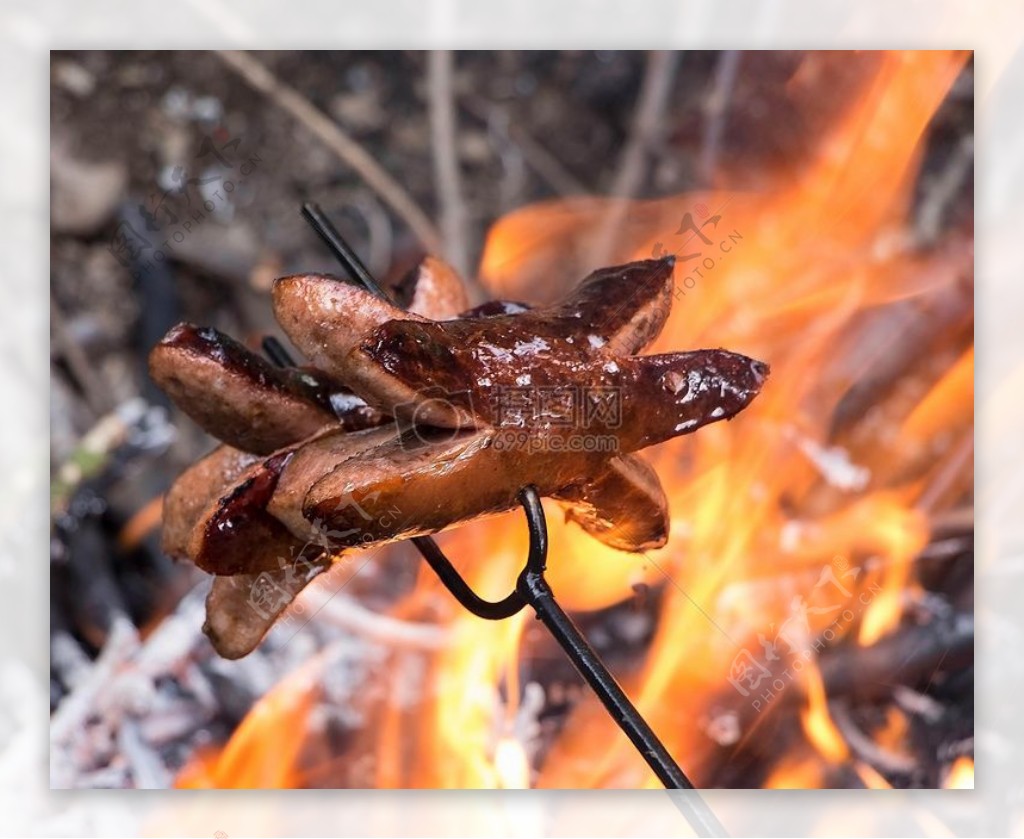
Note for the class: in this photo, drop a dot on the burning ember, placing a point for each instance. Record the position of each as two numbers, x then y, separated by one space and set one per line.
790 631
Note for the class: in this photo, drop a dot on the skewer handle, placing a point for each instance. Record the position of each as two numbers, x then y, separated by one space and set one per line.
533 588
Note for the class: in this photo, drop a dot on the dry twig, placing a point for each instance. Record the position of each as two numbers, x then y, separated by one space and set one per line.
543 162
122 643
715 110
446 164
346 612
941 190
646 129
394 195
97 392
647 121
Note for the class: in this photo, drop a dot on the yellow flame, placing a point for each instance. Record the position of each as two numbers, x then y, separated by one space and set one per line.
870 776
511 764
817 722
263 751
803 773
961 774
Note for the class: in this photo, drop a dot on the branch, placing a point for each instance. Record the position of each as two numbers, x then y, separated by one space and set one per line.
716 108
647 125
391 192
647 121
446 164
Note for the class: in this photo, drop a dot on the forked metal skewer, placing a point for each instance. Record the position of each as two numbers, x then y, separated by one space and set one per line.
532 589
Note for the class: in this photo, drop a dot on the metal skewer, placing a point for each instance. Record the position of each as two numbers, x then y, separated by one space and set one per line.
532 589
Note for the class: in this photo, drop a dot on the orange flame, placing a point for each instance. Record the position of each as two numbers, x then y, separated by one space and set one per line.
263 750
871 777
791 773
817 722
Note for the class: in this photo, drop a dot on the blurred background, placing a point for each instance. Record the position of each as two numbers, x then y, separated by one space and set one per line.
176 181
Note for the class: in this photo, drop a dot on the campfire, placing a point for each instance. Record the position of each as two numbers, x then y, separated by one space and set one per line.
808 621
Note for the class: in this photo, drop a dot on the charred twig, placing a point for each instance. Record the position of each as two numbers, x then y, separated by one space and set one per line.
891 346
795 571
895 668
880 758
259 77
446 162
954 521
94 600
917 703
909 657
97 393
943 188
647 121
